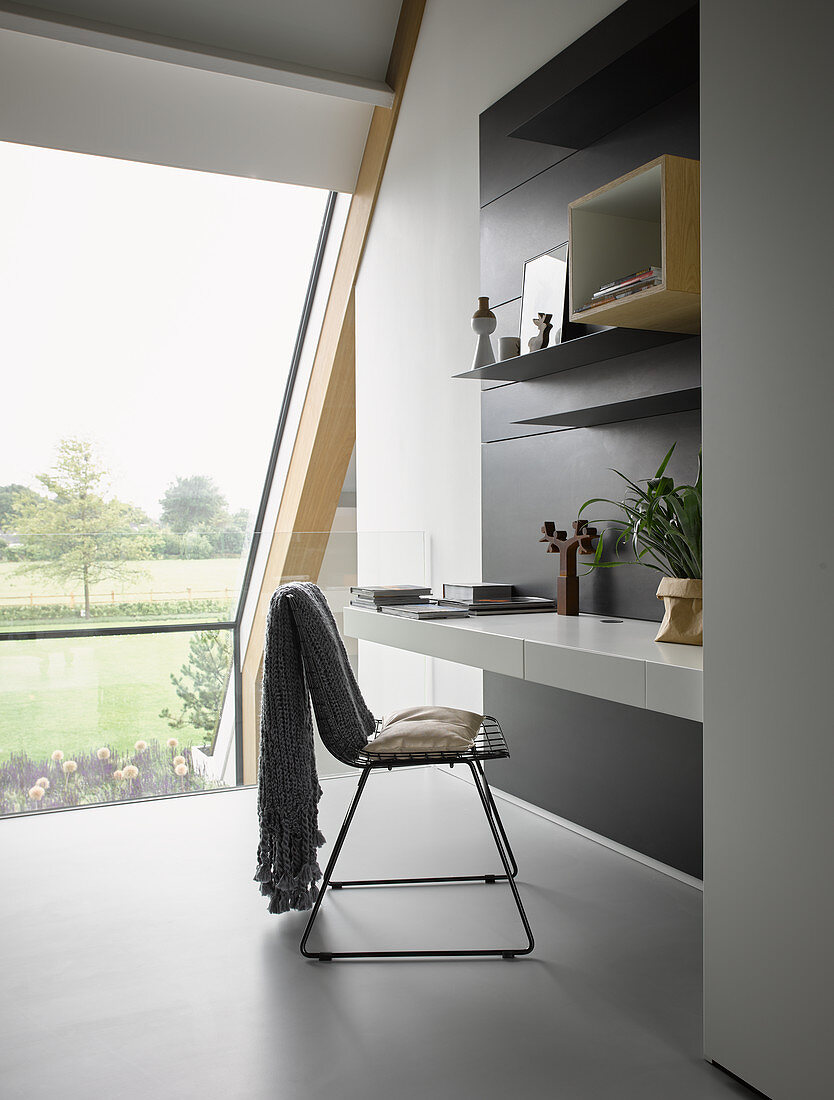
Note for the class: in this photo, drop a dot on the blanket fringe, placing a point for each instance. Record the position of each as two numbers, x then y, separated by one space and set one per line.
289 891
281 900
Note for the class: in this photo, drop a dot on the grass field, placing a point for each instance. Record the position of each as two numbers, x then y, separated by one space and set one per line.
83 693
169 579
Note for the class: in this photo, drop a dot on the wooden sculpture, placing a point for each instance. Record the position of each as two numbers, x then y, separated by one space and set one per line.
542 323
581 542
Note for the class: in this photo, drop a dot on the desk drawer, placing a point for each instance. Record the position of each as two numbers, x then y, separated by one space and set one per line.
620 679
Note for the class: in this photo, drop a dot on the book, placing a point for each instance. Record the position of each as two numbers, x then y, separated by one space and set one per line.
646 272
476 614
402 592
617 295
468 593
517 605
625 291
381 601
633 289
629 284
513 603
424 610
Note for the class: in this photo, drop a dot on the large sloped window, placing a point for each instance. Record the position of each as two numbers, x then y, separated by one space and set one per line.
149 325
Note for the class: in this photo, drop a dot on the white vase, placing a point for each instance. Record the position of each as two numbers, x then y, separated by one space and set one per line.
483 325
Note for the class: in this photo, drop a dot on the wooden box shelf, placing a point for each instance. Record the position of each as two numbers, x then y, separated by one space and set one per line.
649 217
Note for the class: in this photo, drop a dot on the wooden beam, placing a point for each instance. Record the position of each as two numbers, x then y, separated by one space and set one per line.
327 428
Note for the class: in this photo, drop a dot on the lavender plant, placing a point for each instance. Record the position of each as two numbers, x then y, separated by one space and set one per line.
100 775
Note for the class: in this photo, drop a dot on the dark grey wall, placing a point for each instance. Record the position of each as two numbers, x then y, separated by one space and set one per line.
619 771
542 477
630 775
531 474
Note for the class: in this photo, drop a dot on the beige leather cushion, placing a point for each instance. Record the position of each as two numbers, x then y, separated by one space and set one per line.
426 729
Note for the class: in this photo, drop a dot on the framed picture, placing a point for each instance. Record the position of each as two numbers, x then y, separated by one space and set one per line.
544 291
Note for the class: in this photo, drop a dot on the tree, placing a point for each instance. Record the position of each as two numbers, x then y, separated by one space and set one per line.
75 533
12 498
197 544
228 535
203 682
189 501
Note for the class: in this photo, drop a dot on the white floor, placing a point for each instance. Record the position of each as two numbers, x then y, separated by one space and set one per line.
139 961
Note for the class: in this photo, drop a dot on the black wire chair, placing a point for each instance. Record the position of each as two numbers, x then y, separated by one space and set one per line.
488 745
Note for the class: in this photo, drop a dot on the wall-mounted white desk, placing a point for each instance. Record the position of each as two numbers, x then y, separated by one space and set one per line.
617 660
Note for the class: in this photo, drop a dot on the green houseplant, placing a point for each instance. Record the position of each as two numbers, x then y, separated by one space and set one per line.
662 522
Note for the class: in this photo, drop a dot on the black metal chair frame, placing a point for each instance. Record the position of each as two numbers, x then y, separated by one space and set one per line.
488 745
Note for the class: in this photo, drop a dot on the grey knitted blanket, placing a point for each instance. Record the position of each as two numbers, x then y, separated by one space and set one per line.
304 659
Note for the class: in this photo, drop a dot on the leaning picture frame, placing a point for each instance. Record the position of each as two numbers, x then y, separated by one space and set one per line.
544 295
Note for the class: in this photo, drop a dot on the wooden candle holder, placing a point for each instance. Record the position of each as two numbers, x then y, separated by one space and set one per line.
581 542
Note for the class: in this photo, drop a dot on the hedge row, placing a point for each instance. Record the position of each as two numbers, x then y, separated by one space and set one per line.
198 609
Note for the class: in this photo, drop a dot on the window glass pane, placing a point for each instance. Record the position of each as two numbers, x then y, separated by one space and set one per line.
109 705
149 319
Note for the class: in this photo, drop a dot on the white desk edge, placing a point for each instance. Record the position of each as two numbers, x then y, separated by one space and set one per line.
617 660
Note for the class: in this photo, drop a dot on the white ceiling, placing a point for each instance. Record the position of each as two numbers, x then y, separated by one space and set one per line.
345 36
136 105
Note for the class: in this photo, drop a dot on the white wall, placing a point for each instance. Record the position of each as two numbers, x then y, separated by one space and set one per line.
418 430
769 568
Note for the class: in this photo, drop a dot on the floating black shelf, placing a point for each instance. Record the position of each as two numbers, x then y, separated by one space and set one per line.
655 404
596 347
663 63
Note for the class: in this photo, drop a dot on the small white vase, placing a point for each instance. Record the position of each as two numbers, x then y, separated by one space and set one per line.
509 347
483 325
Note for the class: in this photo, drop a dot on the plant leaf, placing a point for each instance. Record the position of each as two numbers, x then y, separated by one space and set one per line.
662 522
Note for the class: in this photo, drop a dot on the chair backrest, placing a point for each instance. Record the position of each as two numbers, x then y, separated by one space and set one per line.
344 721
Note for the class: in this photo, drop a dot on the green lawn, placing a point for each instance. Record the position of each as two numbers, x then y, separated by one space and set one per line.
169 579
82 693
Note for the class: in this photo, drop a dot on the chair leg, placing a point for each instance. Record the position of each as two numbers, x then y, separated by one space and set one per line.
497 818
331 863
504 851
498 831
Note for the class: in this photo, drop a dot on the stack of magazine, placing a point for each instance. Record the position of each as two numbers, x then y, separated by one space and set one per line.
623 287
492 599
378 596
405 600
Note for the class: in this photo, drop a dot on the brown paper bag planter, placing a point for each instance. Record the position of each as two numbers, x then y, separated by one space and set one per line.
683 619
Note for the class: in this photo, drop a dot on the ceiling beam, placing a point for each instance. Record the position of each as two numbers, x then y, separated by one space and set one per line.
173 51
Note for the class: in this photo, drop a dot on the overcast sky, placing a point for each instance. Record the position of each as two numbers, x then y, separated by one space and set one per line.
151 310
